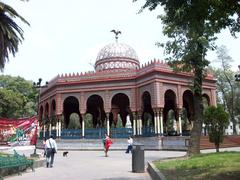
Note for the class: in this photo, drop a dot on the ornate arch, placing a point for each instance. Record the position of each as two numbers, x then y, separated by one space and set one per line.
147 110
147 88
120 104
126 92
89 94
170 102
40 116
173 88
207 98
70 105
95 106
46 110
207 94
53 107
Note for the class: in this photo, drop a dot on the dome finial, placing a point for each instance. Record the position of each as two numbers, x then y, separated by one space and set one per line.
116 32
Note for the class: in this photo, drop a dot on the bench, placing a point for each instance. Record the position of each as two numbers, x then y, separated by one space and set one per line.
4 143
10 164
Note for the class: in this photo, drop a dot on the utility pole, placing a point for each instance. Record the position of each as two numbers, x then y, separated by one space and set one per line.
38 86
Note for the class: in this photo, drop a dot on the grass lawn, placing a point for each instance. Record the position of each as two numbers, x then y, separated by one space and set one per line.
219 166
3 154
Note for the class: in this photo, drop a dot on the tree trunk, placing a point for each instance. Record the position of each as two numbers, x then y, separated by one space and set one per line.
231 106
196 132
217 147
234 124
194 147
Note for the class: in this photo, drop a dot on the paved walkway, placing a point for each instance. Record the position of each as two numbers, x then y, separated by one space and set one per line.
92 165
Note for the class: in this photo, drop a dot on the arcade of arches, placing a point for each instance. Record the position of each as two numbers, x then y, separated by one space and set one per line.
122 94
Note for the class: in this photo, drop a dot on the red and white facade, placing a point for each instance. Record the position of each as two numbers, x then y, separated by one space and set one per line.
120 86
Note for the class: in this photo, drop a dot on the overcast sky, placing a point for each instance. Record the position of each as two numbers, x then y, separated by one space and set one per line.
65 36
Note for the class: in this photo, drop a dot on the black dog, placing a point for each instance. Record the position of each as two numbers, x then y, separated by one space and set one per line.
65 153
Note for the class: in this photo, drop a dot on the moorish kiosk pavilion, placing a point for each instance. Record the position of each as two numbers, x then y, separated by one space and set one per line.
120 98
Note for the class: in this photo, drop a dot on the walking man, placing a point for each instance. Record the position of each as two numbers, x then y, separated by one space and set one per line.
51 149
130 144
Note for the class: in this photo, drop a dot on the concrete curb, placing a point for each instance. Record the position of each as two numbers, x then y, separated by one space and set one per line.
154 172
39 163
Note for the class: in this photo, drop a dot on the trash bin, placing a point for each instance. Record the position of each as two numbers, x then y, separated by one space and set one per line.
138 164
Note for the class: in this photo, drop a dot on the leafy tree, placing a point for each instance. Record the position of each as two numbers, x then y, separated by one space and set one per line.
74 121
10 33
88 120
18 88
216 121
237 101
192 27
185 121
10 103
170 121
147 119
19 84
226 85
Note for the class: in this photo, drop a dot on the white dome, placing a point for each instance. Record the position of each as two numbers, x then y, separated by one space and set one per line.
116 56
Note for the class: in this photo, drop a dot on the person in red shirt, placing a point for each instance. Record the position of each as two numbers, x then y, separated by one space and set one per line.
107 143
44 147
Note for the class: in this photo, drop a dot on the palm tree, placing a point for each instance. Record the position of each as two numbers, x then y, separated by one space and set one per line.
10 33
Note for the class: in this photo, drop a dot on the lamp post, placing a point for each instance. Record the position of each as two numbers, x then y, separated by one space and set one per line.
237 76
38 86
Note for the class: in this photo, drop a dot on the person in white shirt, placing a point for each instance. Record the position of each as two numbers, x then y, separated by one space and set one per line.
130 144
51 149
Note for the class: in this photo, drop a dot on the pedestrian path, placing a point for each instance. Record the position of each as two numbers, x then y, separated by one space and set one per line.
92 165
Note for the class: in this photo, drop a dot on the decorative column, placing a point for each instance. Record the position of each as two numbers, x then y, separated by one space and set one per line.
158 122
180 121
83 125
108 125
161 121
155 121
57 130
139 123
44 130
50 127
38 129
134 123
60 126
